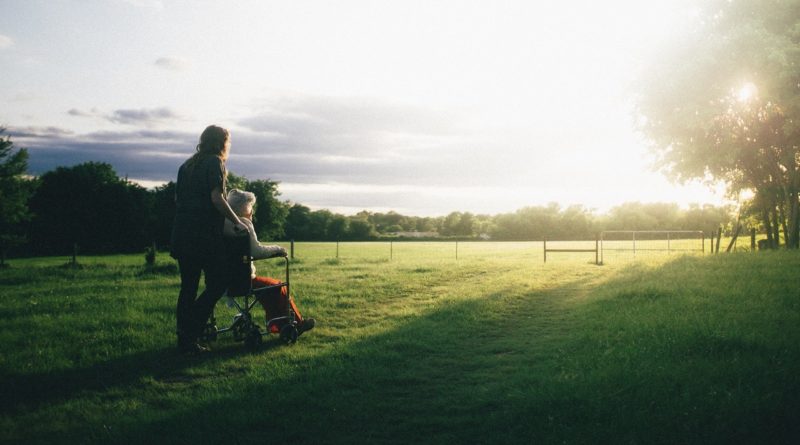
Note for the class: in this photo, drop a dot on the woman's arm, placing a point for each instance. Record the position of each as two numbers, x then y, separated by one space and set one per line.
261 251
221 204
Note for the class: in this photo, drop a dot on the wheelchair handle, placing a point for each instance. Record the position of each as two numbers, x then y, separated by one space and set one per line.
286 260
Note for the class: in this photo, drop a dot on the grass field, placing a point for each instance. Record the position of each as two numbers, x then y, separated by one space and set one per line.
415 347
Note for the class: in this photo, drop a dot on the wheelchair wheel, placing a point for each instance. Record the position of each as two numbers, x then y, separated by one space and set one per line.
253 339
289 334
240 327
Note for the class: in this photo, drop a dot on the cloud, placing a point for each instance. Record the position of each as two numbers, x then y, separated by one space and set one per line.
141 136
6 41
26 96
147 4
38 133
348 115
173 63
142 154
347 127
142 116
80 113
318 139
311 139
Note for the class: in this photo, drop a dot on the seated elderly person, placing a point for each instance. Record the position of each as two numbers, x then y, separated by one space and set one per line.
276 302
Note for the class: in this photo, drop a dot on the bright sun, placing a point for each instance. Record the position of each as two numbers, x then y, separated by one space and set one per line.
747 92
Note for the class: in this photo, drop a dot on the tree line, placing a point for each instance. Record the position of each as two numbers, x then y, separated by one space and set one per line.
89 206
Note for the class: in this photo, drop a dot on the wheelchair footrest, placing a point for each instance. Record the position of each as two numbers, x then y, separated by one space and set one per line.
274 325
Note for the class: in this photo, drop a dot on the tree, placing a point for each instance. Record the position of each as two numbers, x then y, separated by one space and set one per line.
450 224
577 223
465 225
527 223
337 227
359 228
234 181
14 193
162 214
424 224
707 218
638 216
318 224
724 104
298 220
88 205
270 213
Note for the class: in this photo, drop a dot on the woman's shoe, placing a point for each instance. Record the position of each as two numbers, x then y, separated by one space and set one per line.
192 348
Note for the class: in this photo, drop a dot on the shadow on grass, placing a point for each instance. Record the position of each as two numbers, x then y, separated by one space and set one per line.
477 372
26 392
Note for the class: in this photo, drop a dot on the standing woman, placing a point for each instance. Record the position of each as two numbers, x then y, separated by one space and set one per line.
197 244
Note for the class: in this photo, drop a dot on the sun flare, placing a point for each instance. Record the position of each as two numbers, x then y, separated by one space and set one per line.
747 92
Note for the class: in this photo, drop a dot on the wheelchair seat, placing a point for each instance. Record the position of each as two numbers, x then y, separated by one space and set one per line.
238 259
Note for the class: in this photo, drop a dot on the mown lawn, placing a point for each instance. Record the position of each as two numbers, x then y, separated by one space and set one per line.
418 348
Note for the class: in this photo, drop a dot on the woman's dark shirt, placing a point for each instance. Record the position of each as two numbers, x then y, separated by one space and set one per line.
197 230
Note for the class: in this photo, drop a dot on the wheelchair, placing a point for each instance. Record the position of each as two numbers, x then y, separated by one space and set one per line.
243 298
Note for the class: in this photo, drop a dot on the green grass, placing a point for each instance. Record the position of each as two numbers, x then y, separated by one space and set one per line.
495 347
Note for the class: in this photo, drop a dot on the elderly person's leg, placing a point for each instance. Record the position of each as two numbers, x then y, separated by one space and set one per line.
276 302
273 300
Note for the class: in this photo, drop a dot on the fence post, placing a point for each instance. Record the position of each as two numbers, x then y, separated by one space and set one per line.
150 255
753 240
596 251
719 238
391 250
669 250
337 249
456 250
545 250
602 237
291 249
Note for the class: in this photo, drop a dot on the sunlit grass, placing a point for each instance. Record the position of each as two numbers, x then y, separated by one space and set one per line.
494 347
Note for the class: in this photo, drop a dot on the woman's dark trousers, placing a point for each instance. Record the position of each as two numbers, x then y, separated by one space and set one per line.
193 311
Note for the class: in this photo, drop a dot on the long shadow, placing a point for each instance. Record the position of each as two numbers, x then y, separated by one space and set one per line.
29 391
26 392
462 374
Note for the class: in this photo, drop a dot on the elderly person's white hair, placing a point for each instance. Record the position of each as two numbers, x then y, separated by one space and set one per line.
241 201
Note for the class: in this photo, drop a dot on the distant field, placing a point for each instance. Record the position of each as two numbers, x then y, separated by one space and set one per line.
415 346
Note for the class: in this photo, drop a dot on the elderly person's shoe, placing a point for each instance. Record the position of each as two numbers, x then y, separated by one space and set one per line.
307 325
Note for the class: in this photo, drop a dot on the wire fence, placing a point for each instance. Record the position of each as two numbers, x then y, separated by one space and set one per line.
619 244
402 250
614 248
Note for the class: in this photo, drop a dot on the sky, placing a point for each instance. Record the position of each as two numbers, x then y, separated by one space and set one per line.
421 107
